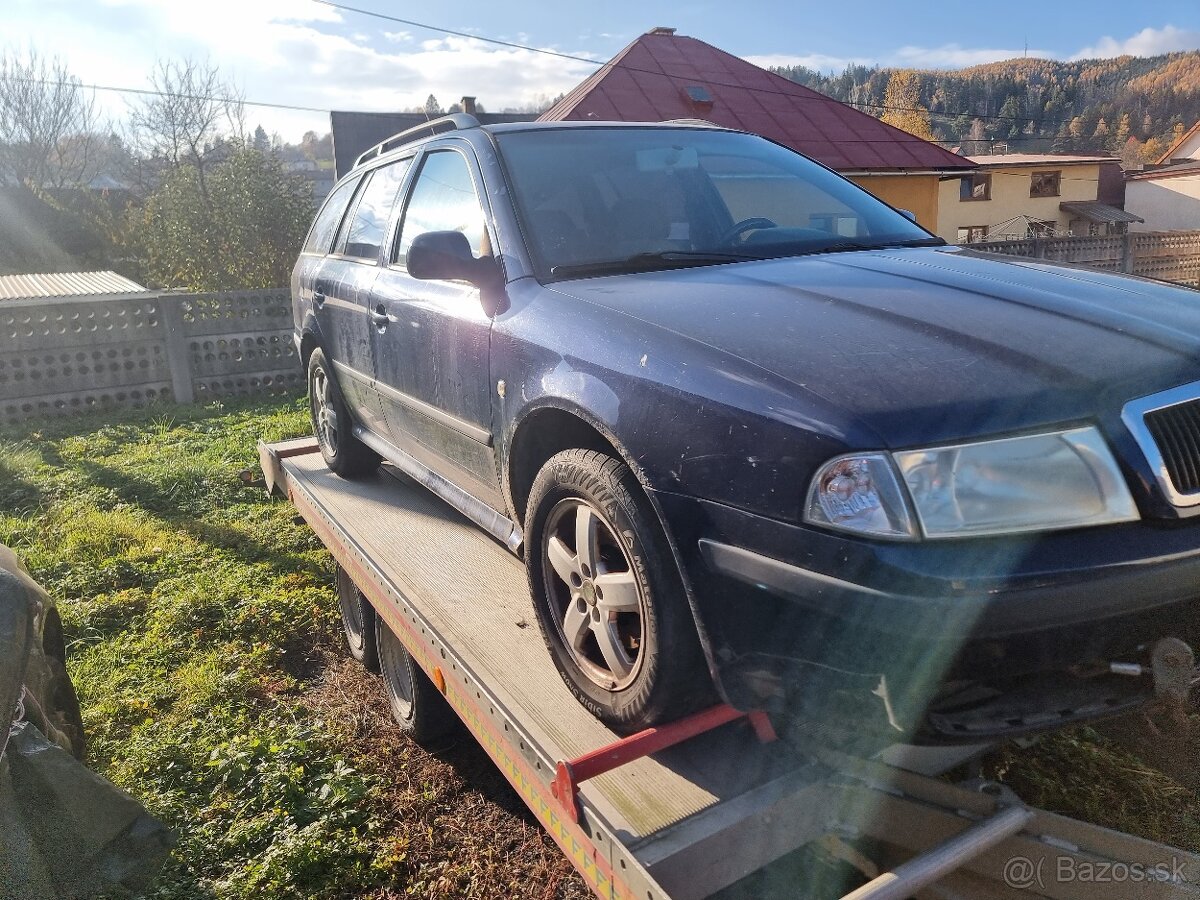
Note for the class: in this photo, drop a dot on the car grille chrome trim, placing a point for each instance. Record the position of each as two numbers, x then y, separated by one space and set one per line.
1167 428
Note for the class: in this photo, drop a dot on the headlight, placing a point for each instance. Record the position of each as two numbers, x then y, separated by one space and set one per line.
859 492
1039 482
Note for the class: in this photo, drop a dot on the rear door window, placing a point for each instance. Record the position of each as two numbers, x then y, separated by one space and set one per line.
320 236
364 232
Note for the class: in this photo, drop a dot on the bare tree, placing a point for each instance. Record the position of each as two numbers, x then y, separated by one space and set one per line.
190 110
47 122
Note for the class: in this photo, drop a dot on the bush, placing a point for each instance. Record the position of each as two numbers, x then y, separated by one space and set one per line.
238 224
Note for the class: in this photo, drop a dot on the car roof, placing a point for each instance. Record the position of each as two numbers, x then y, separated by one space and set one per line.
505 127
499 128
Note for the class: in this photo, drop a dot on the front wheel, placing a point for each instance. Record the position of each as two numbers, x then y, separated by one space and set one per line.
608 595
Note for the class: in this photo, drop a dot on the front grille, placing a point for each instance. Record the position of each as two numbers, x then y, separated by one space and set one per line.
1176 431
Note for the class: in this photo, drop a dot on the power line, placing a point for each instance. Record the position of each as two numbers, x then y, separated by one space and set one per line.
154 93
297 108
148 92
567 56
593 62
451 31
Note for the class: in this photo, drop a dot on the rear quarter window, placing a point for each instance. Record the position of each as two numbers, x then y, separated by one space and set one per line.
320 236
365 232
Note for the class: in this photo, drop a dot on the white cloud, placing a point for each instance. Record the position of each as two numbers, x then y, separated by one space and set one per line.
947 56
1147 42
817 61
955 56
289 52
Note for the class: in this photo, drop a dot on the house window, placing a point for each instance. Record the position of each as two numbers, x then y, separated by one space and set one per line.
1044 184
975 187
970 234
835 223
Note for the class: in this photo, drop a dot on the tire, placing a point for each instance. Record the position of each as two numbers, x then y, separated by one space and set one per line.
345 454
65 712
633 657
358 622
418 708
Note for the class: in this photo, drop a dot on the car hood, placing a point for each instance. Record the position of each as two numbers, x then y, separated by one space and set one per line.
929 344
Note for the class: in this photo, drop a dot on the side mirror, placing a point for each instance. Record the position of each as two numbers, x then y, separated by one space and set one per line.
442 255
446 256
908 214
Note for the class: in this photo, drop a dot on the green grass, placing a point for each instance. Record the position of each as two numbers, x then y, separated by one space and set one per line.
204 644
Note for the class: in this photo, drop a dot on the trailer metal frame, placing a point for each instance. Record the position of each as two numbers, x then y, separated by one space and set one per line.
664 815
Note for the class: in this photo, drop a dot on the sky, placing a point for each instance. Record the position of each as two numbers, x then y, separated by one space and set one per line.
304 53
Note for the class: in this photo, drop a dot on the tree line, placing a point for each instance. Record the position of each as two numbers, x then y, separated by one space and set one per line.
180 194
1132 107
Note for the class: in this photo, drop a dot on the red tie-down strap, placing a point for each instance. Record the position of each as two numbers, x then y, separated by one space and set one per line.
570 773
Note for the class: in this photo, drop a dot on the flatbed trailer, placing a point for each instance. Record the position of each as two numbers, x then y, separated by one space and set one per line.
720 801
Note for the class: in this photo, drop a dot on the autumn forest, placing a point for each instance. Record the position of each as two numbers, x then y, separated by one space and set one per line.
1129 106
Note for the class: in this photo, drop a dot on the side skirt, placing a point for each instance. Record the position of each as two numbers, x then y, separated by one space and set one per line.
497 525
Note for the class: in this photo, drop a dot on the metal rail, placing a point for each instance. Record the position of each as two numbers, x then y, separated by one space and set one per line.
905 880
452 122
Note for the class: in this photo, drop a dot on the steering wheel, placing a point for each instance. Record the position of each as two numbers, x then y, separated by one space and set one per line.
754 223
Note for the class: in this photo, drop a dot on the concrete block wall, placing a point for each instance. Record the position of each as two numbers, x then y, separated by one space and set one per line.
59 356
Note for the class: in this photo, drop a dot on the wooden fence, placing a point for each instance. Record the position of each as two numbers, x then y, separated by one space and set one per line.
60 356
1165 255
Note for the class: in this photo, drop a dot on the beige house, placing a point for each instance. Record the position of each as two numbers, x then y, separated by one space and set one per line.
1013 196
1167 196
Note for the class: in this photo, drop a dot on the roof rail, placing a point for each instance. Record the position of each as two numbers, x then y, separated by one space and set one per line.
694 121
452 122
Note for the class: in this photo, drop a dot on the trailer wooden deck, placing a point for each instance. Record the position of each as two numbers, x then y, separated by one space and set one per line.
691 820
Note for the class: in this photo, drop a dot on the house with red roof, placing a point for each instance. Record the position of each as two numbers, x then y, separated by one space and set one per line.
663 75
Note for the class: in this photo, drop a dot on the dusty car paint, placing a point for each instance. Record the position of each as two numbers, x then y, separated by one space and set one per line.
725 387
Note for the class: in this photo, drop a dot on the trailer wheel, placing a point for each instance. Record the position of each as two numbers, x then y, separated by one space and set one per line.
608 596
358 621
345 454
418 708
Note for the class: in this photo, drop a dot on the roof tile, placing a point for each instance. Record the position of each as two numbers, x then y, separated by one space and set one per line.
660 66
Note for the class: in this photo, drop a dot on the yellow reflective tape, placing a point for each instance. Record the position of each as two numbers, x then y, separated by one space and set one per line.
564 833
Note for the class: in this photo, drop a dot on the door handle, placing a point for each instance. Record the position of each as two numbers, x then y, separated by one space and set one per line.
318 298
381 318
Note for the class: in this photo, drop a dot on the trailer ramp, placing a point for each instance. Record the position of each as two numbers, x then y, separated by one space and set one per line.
690 820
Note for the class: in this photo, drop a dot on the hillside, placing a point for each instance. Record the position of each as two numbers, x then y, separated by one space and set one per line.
1092 105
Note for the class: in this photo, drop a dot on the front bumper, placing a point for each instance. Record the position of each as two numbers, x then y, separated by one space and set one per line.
800 614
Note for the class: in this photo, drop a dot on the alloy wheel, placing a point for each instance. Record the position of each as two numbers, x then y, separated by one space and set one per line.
325 418
598 605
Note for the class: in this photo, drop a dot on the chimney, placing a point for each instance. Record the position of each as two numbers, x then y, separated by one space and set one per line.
468 105
662 29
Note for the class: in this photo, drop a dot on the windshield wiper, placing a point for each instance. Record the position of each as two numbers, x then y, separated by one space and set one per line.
650 261
843 246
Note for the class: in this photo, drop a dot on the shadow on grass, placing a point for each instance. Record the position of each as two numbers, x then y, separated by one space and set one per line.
18 495
158 501
56 428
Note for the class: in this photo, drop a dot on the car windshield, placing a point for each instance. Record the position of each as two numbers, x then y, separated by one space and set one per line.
599 200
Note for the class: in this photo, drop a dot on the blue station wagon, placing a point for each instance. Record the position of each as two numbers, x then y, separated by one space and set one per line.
758 435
